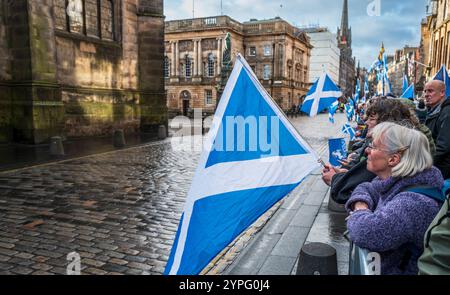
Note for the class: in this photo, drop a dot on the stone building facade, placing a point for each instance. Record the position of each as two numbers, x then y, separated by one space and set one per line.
277 52
403 63
80 68
436 36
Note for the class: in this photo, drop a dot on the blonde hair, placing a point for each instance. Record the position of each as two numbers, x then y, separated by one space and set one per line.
413 145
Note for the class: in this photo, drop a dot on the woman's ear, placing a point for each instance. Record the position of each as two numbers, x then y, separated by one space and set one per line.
394 160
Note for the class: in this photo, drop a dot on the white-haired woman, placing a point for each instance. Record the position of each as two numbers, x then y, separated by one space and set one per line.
386 216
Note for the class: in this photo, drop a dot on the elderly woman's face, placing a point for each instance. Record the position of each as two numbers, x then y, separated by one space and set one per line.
378 159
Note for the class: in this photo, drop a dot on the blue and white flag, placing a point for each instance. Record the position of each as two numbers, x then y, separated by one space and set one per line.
357 91
404 84
320 96
409 92
386 83
252 158
442 75
333 108
349 111
347 129
366 87
338 150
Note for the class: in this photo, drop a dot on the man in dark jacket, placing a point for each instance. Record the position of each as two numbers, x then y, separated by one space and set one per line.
438 121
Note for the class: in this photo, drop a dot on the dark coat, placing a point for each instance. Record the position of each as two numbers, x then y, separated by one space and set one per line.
439 124
343 184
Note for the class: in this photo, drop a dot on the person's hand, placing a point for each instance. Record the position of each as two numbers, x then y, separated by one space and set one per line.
360 206
329 171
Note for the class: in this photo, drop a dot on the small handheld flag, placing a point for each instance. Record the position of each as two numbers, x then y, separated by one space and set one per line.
347 129
338 150
333 108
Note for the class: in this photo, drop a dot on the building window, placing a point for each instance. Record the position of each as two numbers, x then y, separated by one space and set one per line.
253 69
252 51
208 97
267 50
107 19
211 65
166 67
187 67
266 72
93 18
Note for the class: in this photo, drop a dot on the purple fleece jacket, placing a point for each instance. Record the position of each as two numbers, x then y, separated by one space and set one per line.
396 221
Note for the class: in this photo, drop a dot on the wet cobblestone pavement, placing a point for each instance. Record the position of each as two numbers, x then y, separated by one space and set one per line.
118 210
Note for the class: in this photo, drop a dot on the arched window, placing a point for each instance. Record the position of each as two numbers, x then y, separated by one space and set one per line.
93 18
211 65
187 66
166 67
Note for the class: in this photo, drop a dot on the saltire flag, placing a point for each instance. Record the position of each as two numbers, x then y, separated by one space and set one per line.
366 87
442 75
409 92
387 84
347 129
405 84
338 150
237 179
333 108
320 96
349 111
357 91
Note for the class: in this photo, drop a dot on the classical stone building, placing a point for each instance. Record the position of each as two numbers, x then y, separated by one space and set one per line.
436 36
277 52
347 62
78 68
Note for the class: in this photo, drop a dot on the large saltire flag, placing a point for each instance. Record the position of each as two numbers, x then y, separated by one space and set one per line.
442 75
238 178
320 96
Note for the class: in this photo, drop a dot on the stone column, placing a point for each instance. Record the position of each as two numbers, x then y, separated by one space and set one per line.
177 60
195 57
199 58
172 60
219 56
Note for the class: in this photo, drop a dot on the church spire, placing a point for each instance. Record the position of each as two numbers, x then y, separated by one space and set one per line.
344 21
344 32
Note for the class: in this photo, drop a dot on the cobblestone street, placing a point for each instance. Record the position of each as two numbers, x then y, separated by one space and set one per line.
118 210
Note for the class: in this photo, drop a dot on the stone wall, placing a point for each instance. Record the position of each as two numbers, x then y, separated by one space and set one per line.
5 75
77 81
153 104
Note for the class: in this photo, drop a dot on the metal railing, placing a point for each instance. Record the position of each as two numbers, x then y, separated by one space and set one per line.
362 261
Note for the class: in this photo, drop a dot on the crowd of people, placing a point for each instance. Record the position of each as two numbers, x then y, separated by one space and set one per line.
394 182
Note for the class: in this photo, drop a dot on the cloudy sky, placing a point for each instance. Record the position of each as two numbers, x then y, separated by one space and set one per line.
397 24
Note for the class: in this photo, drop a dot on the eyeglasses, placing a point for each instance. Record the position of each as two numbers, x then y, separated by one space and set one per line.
400 150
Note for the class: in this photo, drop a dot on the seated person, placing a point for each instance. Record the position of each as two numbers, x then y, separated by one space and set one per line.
384 216
353 172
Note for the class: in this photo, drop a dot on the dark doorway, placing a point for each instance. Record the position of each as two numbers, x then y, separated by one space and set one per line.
185 98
